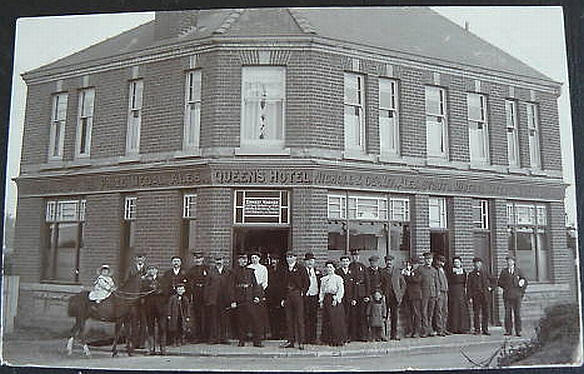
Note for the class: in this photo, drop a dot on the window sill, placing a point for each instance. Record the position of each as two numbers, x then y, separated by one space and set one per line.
261 151
358 155
193 152
129 159
53 164
392 158
538 172
442 162
487 167
514 170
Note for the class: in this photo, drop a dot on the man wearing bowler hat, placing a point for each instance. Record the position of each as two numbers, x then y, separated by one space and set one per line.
311 298
174 276
361 296
197 275
393 285
217 301
295 284
513 283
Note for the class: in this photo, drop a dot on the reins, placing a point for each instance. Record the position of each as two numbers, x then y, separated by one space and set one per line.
128 295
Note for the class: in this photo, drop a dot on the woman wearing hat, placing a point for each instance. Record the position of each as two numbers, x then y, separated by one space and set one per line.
458 316
103 286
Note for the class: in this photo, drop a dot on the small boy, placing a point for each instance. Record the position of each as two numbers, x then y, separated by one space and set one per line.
178 316
376 316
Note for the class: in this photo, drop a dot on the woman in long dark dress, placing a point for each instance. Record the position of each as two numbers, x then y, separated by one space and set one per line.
458 316
332 291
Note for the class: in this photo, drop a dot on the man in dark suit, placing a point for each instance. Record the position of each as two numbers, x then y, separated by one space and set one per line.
245 294
429 287
479 292
513 283
361 296
295 283
216 296
393 285
197 275
348 299
413 297
134 276
174 276
441 307
311 298
274 295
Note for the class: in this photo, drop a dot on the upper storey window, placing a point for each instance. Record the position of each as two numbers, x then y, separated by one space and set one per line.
512 134
436 122
388 116
263 96
134 116
354 112
533 128
478 133
84 122
192 126
57 130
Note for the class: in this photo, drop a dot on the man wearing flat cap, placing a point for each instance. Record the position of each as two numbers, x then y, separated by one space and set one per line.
245 295
429 287
413 297
359 329
295 284
441 307
393 285
311 298
197 276
513 283
479 287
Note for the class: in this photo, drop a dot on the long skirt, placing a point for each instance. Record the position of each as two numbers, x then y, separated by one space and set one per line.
334 331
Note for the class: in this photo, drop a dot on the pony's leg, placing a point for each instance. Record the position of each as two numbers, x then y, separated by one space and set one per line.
116 337
70 346
83 340
74 331
129 339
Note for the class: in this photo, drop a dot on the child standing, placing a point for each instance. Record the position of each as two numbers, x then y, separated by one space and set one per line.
376 316
103 286
178 315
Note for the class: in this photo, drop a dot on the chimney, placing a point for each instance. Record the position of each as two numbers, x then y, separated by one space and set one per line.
170 24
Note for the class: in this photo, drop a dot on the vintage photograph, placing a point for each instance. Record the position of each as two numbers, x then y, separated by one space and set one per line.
292 189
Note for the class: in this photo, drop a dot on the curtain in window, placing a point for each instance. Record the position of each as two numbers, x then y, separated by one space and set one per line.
435 138
387 130
263 106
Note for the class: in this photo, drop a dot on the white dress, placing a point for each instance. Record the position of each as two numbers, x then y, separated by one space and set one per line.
102 287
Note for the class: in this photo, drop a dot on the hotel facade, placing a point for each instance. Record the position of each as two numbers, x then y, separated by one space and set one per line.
388 130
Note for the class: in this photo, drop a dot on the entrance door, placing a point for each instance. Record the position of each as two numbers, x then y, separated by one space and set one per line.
269 242
439 244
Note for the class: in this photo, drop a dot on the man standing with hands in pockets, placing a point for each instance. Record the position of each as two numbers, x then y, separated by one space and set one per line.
513 283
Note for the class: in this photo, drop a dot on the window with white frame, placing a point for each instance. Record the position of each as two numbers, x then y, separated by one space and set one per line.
478 133
192 126
480 214
437 212
64 233
354 102
337 207
512 133
84 122
134 116
533 129
130 208
367 208
400 209
263 106
189 206
436 122
57 129
527 237
388 116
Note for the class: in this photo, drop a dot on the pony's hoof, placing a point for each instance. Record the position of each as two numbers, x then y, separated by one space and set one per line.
114 354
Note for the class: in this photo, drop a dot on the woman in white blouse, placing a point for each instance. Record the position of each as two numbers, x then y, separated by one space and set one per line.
333 316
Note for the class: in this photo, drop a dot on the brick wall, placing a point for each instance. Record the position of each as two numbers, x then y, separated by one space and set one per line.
496 95
551 158
462 229
103 215
562 260
37 117
308 218
215 219
28 245
413 109
500 249
158 223
457 117
420 225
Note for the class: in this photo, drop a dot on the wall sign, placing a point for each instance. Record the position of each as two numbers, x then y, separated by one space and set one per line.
261 207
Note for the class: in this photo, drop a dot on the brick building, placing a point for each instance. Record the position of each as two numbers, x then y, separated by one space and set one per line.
267 129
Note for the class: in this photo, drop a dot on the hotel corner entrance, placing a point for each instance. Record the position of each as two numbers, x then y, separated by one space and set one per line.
261 223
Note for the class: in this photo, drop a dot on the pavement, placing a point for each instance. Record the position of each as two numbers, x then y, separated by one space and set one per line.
428 353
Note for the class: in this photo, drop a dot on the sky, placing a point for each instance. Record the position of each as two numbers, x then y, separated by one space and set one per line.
535 35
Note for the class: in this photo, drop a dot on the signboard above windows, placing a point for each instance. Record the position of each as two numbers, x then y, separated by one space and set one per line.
267 207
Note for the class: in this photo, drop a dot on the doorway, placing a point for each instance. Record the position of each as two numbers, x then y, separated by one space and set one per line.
271 243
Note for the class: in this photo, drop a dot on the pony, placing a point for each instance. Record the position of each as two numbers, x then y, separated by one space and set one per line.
116 308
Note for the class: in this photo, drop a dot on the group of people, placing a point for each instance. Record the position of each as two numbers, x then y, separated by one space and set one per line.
209 302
